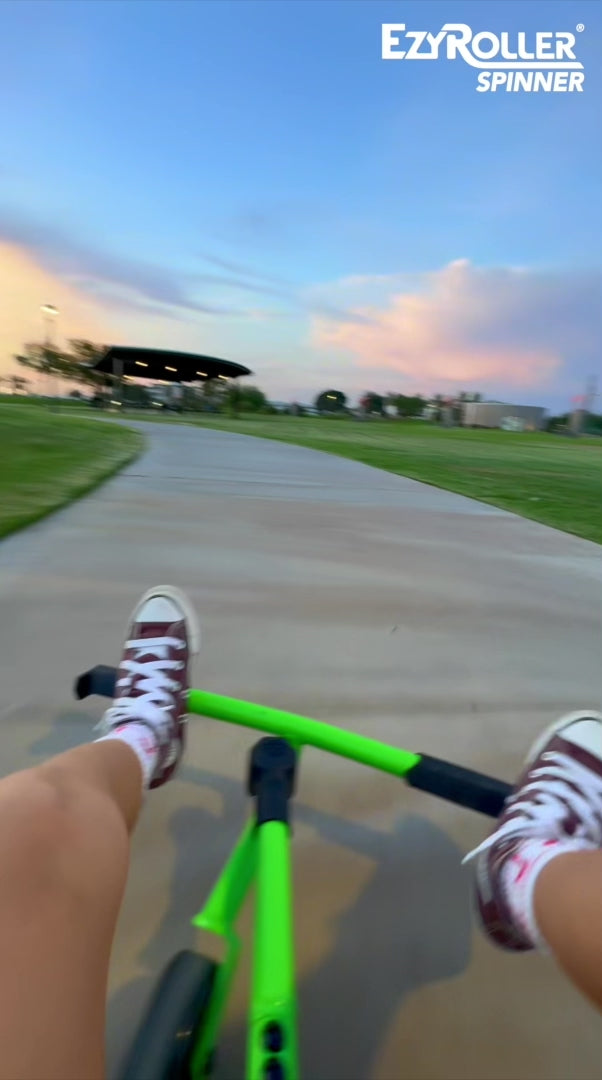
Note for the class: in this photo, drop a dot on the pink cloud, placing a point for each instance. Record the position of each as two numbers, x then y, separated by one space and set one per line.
24 286
26 283
464 325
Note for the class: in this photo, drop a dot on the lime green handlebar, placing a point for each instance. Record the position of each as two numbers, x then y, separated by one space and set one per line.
302 731
474 790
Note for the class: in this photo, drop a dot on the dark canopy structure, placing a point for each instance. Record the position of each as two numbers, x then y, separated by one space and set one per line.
166 366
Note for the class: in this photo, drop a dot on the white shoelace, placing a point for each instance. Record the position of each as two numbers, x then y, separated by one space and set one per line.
156 690
560 786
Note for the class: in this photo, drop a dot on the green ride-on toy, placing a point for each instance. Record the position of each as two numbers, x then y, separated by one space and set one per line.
178 1036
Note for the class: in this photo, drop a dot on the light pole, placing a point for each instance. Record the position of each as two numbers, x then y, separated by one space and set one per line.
49 314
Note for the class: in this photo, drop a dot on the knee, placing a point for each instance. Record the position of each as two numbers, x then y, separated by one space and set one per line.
36 815
48 829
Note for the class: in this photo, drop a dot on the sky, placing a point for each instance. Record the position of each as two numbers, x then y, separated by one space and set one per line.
251 180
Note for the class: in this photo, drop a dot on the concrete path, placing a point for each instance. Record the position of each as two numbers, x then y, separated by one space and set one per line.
367 600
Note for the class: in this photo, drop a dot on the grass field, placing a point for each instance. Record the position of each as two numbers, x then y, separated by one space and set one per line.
551 479
49 459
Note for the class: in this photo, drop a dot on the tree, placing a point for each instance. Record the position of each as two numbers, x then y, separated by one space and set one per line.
73 364
409 406
192 400
244 399
135 395
233 400
82 356
372 404
593 424
41 358
557 423
18 383
252 399
331 401
213 395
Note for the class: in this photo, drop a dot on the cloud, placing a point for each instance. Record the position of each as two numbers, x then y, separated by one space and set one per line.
104 274
299 298
120 299
117 281
500 330
470 327
116 314
242 269
276 221
241 284
24 286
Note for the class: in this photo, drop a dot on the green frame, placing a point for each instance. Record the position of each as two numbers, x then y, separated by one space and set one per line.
262 856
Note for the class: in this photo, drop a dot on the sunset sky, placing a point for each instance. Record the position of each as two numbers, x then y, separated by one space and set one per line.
253 181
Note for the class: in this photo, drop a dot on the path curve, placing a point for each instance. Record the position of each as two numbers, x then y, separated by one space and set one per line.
369 600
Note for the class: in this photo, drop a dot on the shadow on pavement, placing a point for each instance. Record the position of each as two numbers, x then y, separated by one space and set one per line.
409 926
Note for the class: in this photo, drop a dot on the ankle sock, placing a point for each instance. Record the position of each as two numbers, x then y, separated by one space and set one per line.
143 741
519 874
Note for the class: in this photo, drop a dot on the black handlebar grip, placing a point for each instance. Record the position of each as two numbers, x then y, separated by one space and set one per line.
100 680
474 790
465 787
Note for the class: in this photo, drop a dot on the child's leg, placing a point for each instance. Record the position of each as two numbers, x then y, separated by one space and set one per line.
64 847
64 843
568 911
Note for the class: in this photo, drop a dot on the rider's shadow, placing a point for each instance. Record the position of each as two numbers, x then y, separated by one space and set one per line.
409 926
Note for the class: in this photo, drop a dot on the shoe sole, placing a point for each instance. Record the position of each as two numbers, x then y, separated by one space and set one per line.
556 727
179 598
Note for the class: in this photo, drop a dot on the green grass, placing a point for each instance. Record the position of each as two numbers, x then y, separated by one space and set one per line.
549 478
36 402
48 459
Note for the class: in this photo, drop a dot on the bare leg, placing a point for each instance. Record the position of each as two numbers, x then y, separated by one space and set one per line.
64 851
568 910
64 847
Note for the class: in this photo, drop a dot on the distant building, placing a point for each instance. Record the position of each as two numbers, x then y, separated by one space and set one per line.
499 414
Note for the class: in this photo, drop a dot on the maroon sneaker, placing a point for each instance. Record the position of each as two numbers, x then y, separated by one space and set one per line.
152 679
558 799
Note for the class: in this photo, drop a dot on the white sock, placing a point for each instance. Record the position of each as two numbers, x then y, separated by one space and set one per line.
519 874
143 741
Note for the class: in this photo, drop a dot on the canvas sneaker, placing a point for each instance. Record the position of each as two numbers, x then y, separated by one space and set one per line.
558 799
153 676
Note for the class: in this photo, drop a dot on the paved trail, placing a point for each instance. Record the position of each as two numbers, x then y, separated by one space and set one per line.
361 598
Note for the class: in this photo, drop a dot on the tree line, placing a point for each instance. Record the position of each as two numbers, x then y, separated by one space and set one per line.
371 404
75 366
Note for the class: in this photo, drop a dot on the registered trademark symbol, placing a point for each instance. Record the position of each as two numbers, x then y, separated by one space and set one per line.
580 28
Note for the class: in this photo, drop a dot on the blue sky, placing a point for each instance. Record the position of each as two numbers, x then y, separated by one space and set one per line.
251 179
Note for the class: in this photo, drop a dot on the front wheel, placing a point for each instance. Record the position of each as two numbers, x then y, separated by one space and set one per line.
173 1020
